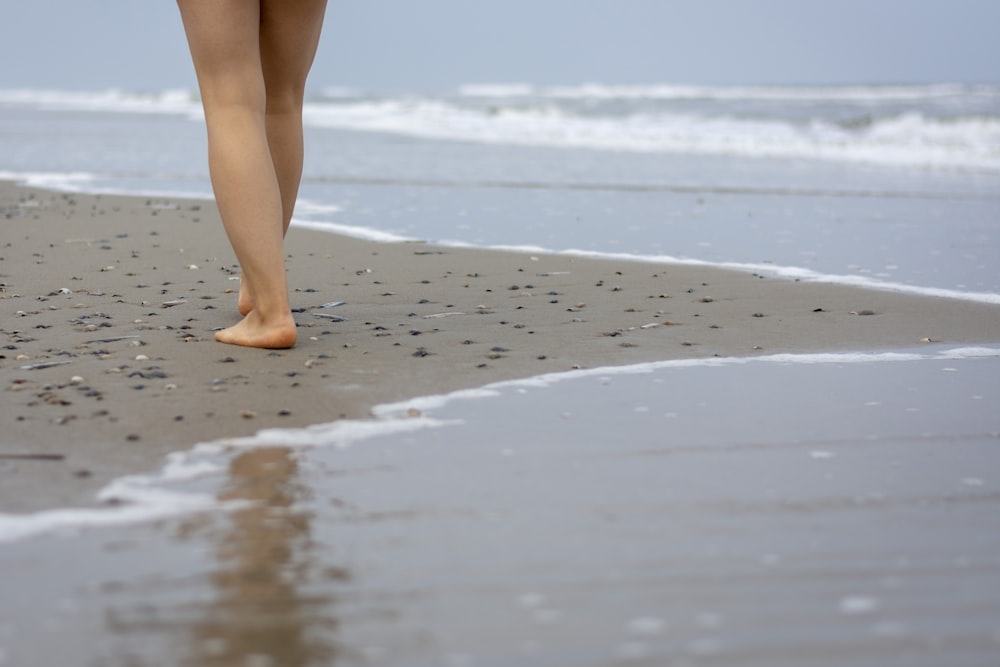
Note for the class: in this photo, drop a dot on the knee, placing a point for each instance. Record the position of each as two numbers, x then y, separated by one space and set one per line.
284 99
244 92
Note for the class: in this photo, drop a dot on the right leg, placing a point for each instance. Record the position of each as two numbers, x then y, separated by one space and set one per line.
289 36
224 37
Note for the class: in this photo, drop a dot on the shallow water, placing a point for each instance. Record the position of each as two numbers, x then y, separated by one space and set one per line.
802 510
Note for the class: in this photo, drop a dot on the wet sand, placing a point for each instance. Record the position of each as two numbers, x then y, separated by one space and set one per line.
108 306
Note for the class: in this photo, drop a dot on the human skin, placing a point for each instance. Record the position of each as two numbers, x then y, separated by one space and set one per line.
252 60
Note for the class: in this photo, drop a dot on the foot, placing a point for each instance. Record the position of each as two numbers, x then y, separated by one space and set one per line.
245 302
253 332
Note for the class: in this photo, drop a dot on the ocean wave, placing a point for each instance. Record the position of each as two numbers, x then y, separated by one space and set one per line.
182 102
909 139
867 93
891 126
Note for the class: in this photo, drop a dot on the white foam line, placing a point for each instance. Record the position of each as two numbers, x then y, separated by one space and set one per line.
76 182
353 231
159 505
143 498
776 270
425 404
83 183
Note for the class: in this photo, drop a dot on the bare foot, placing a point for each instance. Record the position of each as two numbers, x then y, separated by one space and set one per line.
245 302
252 332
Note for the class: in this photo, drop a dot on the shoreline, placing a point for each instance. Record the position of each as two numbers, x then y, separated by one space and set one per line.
108 304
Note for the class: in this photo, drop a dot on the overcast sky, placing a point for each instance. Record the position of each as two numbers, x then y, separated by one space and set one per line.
435 45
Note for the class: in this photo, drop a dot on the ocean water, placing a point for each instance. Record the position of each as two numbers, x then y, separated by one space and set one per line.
893 186
790 510
630 515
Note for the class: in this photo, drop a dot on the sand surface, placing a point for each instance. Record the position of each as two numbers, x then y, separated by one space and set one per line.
108 306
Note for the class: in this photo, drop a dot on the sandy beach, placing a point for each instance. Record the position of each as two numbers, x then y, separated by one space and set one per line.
109 303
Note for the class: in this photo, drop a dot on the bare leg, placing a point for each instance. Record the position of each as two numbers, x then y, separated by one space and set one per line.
289 36
228 40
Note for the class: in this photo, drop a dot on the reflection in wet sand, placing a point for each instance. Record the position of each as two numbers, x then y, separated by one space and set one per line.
262 614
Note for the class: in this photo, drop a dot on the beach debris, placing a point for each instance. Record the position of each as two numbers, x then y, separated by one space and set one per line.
141 357
421 352
32 457
758 315
151 373
328 316
113 339
173 302
333 304
651 325
929 340
76 379
53 398
248 414
439 315
45 364
191 267
862 312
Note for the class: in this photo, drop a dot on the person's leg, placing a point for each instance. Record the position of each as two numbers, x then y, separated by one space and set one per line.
289 36
224 37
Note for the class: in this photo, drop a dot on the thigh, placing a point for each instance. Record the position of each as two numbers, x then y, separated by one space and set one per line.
289 36
223 36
